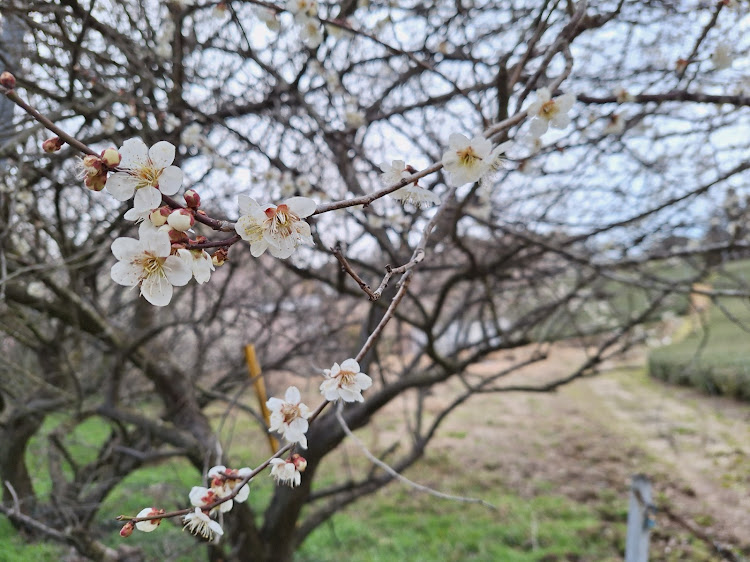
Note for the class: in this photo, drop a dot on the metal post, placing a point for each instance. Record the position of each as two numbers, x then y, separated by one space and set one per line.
639 520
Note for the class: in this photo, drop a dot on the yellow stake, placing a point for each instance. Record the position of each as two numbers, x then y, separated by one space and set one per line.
259 386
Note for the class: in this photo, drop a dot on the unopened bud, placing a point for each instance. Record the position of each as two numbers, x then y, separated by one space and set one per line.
299 462
111 158
52 145
92 165
181 219
192 199
127 529
95 182
175 236
158 217
219 257
7 80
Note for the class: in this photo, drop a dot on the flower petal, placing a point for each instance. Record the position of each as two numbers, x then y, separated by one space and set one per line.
126 273
177 271
162 154
301 206
134 153
350 365
170 180
121 186
146 198
157 290
125 248
292 395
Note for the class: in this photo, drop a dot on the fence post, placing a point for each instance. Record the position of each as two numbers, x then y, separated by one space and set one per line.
639 520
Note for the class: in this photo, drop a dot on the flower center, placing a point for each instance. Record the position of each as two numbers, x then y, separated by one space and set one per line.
549 109
346 378
290 412
147 176
152 265
281 220
467 156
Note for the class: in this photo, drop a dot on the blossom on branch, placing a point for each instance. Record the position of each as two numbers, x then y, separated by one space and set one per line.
288 471
199 262
467 161
145 172
547 112
223 482
278 229
203 497
151 524
289 416
147 263
345 382
199 523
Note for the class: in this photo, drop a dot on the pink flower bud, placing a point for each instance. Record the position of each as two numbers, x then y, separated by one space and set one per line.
181 219
158 217
7 80
92 165
52 145
175 236
95 182
192 199
299 462
127 529
111 158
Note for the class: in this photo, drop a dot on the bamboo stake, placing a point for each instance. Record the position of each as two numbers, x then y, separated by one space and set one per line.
259 386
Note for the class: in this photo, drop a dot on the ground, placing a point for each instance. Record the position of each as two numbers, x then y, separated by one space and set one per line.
588 439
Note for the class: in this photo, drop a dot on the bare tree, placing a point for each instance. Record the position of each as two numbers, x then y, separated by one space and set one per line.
585 233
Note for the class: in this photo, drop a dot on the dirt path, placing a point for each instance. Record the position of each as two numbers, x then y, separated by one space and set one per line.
588 439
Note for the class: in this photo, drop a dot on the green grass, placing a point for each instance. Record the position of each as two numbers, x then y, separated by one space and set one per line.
401 525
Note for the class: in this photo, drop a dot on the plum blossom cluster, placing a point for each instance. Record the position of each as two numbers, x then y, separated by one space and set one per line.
547 112
289 417
412 193
470 160
306 17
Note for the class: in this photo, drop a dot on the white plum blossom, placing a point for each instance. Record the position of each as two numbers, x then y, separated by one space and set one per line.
467 160
285 471
722 56
547 112
199 262
268 17
278 229
416 195
192 135
615 125
225 485
199 523
355 118
145 172
307 8
201 497
147 263
393 172
311 31
289 416
345 382
151 524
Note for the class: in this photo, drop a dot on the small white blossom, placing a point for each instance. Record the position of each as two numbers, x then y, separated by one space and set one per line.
151 524
280 229
416 195
285 472
36 289
192 135
147 173
468 160
345 382
615 125
199 262
202 497
307 8
393 172
147 262
198 523
355 118
722 56
268 17
289 416
311 31
225 485
547 112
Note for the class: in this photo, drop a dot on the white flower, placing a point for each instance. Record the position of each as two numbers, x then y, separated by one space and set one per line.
146 172
147 262
615 124
280 229
302 7
198 523
285 471
151 524
416 195
199 262
311 32
355 118
722 56
225 485
345 382
289 416
191 135
393 172
36 289
547 111
467 160
201 497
